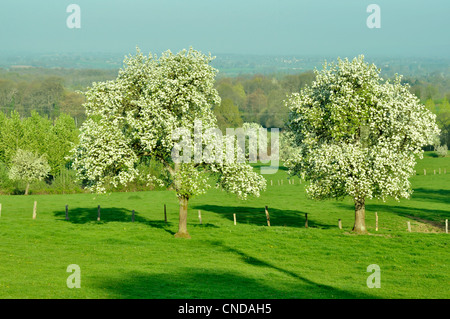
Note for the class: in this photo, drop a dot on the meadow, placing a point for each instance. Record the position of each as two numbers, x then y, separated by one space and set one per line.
119 258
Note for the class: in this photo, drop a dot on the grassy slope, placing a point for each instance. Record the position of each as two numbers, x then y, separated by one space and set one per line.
120 259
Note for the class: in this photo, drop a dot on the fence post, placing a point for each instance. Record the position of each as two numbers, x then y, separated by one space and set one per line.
67 212
234 217
165 214
340 223
268 217
409 226
376 221
132 215
200 216
0 210
424 171
446 226
306 220
98 213
34 209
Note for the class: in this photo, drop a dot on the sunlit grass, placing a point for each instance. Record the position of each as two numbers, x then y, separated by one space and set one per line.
121 259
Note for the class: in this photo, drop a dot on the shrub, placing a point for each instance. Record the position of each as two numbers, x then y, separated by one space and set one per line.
442 150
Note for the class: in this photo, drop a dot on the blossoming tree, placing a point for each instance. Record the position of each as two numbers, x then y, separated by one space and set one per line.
357 135
139 115
28 167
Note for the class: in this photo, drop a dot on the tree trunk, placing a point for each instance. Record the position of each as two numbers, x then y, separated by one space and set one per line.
182 226
27 188
360 216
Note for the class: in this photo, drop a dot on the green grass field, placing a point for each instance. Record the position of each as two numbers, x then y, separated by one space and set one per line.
121 259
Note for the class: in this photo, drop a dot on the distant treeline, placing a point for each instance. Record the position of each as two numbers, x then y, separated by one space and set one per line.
42 112
249 98
50 92
54 139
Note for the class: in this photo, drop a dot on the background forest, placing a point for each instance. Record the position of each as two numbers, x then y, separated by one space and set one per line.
42 109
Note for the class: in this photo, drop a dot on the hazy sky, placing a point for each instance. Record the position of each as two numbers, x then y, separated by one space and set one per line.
310 27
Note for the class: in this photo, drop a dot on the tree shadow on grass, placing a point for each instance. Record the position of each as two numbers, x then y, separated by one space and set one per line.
110 214
324 291
259 165
435 195
197 284
212 284
257 216
433 217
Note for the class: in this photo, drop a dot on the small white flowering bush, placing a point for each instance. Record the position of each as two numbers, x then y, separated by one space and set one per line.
28 167
441 151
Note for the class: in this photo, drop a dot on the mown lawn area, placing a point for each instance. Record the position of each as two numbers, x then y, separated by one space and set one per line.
122 259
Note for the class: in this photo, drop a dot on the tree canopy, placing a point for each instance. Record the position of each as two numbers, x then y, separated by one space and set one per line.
357 135
28 167
139 115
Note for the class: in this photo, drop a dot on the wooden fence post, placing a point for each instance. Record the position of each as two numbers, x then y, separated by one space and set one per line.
132 215
34 209
98 213
0 210
271 182
67 212
340 223
409 226
200 216
165 214
424 171
234 217
376 221
434 172
306 220
268 217
446 226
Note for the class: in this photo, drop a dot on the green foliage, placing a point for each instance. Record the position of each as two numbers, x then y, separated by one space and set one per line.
38 134
259 98
6 185
228 115
47 91
441 108
24 90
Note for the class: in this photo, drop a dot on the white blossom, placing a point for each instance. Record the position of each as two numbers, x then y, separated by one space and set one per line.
356 134
138 114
